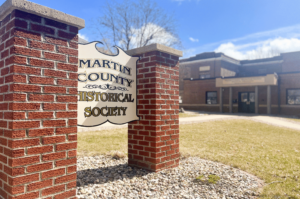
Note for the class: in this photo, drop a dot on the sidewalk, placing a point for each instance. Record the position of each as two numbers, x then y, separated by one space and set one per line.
271 120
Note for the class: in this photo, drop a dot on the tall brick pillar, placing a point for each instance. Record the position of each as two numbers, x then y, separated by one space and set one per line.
38 108
153 142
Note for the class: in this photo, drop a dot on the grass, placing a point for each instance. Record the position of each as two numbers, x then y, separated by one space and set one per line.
188 115
271 153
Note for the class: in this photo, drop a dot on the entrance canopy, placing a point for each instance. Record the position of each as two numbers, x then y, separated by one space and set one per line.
268 80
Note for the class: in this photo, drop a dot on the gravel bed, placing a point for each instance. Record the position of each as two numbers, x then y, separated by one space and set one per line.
106 177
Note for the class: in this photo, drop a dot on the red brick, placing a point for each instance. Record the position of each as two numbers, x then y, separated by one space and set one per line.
39 150
73 91
14 134
40 132
41 63
54 107
70 83
26 16
69 36
26 34
66 130
31 195
24 88
72 153
4 106
63 147
72 137
73 60
72 106
68 51
4 89
23 161
53 190
41 80
54 156
54 139
71 185
25 70
62 98
65 178
53 173
55 56
60 163
53 123
43 98
15 78
41 28
68 114
40 115
41 45
3 159
23 143
24 106
14 171
39 167
14 115
25 51
56 41
53 89
39 185
15 41
24 125
56 24
72 122
54 73
68 67
15 59
14 153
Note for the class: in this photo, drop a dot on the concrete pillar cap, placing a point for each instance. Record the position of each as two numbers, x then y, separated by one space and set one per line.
9 5
155 47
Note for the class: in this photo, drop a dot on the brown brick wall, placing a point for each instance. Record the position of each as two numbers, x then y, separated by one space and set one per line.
38 107
195 93
153 142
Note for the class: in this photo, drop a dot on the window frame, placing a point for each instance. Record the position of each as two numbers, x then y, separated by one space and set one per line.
287 92
206 96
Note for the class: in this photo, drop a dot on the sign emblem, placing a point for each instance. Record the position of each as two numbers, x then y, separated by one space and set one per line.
106 87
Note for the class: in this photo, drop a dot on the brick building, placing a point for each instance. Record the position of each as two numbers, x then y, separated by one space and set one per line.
215 82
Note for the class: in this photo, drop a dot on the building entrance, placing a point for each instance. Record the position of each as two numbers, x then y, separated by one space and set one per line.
246 102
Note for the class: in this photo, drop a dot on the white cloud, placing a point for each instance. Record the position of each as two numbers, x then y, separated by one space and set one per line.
253 43
193 39
83 36
161 36
262 49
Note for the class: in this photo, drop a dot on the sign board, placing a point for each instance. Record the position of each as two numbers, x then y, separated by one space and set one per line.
106 87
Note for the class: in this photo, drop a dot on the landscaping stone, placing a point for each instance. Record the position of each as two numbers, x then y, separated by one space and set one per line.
108 177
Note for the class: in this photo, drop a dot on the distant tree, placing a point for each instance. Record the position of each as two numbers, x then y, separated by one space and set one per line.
133 24
264 53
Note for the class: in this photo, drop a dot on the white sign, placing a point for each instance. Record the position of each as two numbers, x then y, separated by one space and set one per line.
106 87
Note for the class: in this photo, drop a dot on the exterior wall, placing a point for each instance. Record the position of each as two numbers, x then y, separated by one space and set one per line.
153 142
194 95
253 70
291 62
38 118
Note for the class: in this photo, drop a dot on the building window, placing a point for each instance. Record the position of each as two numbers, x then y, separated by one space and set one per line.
204 76
204 68
293 96
211 97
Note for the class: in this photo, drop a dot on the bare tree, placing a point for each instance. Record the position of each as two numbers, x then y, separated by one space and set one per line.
261 53
133 24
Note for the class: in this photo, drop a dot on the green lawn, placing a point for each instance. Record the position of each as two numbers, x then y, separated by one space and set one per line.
271 153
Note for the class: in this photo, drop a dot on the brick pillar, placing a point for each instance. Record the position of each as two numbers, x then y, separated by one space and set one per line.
38 118
153 142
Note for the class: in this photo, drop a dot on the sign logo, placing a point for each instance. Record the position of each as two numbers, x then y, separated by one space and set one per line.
106 87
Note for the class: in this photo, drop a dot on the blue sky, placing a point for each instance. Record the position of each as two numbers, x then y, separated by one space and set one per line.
239 28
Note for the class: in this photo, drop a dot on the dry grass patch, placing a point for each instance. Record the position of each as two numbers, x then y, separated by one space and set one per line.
108 142
188 115
269 152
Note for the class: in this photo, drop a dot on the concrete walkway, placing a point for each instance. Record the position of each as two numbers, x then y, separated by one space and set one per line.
271 120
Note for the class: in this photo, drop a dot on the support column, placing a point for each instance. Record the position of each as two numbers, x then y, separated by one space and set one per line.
38 93
256 100
221 100
153 142
269 100
230 100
